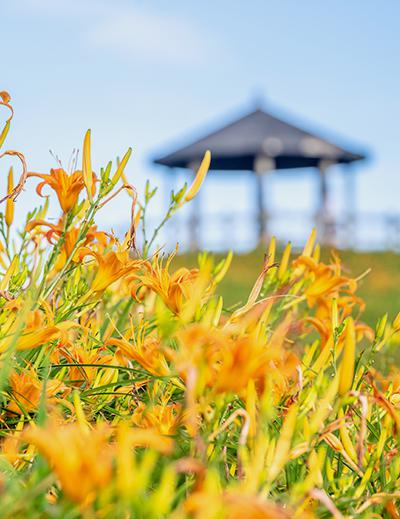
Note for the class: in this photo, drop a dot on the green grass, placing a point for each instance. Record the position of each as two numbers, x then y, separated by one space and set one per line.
380 288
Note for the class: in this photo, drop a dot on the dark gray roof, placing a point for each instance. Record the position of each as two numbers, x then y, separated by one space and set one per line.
236 145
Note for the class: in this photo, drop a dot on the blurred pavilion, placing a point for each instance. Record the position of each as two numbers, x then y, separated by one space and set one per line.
261 143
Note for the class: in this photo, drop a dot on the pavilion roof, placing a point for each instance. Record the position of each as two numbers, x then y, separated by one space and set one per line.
236 146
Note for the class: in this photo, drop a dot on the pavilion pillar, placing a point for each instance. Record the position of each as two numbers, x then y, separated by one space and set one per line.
172 231
262 165
324 223
350 191
194 218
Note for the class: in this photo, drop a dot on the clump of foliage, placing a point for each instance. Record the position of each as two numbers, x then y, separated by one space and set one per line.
128 390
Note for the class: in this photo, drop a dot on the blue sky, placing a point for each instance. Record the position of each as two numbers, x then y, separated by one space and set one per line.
149 74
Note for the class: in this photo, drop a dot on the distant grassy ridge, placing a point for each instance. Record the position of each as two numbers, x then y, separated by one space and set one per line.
380 288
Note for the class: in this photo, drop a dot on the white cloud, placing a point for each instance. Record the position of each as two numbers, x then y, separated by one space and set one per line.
147 35
139 32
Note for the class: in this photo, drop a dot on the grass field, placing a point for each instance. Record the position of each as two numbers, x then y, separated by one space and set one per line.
380 288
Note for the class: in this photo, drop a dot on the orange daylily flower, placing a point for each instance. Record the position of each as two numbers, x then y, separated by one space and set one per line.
146 351
40 329
389 383
110 267
83 459
173 289
242 360
73 452
147 438
83 373
10 447
232 505
34 339
164 418
324 328
26 391
67 186
345 304
94 237
227 363
325 279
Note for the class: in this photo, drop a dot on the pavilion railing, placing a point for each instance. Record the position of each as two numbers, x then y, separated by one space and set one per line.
224 231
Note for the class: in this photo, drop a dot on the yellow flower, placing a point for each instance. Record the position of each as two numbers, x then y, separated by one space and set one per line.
67 187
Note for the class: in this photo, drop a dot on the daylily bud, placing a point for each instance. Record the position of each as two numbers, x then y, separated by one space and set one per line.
9 273
285 261
10 202
121 166
380 327
224 268
380 333
271 250
163 496
317 253
335 314
314 466
138 216
308 248
87 166
201 175
396 322
345 437
4 133
218 310
330 473
347 366
283 446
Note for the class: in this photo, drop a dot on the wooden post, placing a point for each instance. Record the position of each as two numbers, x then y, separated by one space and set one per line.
194 219
350 198
261 216
172 234
324 222
262 165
